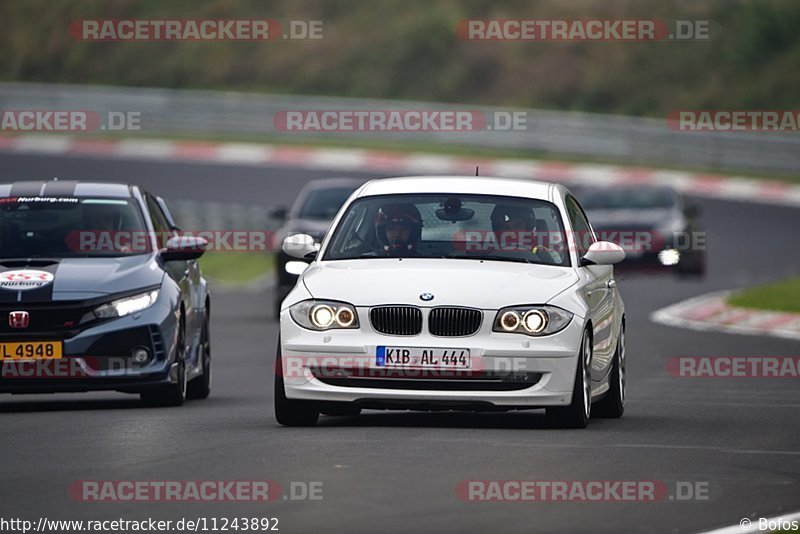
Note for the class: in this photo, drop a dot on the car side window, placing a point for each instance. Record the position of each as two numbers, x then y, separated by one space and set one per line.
162 204
354 231
160 223
581 230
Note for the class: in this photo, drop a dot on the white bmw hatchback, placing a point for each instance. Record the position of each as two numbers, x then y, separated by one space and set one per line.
453 293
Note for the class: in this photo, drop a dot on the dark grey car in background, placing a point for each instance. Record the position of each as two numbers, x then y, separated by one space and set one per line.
99 292
312 213
658 228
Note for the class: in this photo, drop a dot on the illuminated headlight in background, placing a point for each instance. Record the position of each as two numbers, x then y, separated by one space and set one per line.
531 320
126 306
324 315
669 257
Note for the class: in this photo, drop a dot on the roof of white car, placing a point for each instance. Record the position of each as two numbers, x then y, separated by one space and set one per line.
459 184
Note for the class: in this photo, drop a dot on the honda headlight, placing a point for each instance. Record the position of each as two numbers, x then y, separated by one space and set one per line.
324 315
531 320
126 306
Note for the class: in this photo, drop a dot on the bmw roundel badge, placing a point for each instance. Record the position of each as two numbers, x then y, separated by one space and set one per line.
426 296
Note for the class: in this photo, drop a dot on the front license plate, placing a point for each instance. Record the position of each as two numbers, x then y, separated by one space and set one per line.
31 350
423 358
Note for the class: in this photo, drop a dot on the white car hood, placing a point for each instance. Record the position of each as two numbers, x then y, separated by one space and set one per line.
487 285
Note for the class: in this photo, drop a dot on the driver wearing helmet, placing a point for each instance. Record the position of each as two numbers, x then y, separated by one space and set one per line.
398 228
105 222
102 218
519 223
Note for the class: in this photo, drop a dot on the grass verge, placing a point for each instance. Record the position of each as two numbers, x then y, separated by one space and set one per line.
236 267
780 296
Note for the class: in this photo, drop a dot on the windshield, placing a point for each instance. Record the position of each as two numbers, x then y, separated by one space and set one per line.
479 227
637 199
60 227
324 204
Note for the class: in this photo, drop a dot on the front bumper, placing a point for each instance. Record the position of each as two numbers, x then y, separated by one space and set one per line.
549 361
99 357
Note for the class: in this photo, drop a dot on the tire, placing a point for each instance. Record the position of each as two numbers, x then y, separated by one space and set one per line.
339 409
200 387
171 394
577 414
291 412
612 406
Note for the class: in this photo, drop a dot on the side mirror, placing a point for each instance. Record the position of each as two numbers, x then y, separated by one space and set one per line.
278 213
183 248
300 246
603 253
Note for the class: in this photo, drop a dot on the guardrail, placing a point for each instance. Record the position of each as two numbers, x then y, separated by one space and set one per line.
632 139
196 215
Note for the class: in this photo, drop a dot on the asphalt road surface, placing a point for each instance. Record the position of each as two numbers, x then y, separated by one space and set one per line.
397 471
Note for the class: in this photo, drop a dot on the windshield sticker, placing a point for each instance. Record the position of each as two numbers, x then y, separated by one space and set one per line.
24 279
43 200
105 201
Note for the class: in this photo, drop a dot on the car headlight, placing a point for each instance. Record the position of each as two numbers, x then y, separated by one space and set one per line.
126 306
531 320
324 315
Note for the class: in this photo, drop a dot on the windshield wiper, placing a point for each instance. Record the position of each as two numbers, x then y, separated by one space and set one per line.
488 257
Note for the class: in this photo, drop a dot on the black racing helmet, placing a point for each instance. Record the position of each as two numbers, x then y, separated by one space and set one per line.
401 213
501 214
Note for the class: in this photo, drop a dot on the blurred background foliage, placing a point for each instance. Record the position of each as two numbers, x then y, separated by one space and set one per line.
409 50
